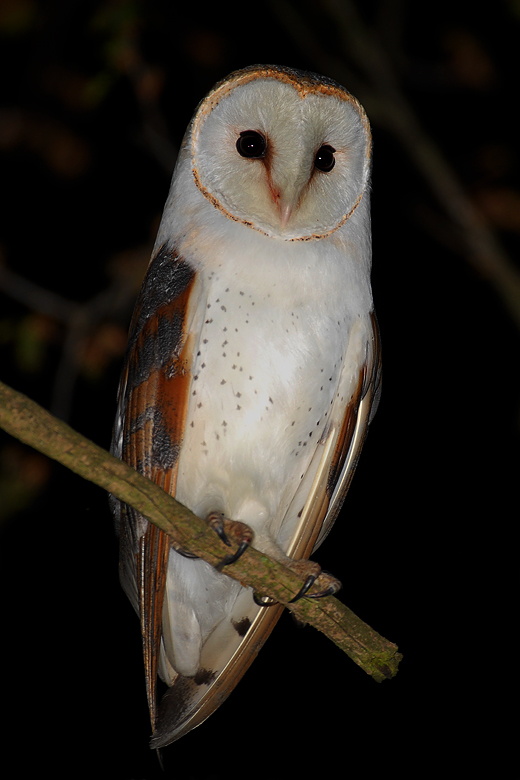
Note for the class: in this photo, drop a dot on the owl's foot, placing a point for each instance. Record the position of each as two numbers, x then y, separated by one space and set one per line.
225 528
312 572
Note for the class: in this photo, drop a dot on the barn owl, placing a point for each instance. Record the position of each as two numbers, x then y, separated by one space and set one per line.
252 369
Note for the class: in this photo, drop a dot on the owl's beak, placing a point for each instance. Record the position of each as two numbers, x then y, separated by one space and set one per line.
286 193
285 213
287 198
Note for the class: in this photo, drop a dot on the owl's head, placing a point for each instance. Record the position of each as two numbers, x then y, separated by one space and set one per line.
283 152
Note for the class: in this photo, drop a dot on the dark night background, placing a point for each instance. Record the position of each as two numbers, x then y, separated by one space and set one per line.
95 99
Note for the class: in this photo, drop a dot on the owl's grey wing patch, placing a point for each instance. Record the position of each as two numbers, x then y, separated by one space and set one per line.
153 402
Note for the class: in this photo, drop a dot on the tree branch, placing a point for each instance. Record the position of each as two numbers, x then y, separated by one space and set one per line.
33 425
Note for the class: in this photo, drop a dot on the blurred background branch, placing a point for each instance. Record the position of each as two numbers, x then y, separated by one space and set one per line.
378 87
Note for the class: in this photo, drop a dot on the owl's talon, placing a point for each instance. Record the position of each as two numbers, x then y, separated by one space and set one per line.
264 601
330 591
229 559
240 533
309 582
216 522
186 554
332 588
314 573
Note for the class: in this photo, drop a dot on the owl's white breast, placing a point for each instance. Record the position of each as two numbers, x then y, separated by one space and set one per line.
272 321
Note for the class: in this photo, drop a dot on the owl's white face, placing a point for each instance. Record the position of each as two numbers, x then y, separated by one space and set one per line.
288 158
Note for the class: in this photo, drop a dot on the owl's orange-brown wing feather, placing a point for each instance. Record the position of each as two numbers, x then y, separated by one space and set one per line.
153 406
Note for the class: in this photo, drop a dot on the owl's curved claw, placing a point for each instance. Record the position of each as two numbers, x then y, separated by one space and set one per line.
333 586
215 521
309 582
330 591
264 601
229 559
186 554
240 532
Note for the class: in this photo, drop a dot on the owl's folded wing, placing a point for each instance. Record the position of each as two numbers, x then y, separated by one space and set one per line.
150 423
320 496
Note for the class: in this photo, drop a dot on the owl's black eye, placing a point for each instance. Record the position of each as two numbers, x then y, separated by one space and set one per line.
325 160
251 144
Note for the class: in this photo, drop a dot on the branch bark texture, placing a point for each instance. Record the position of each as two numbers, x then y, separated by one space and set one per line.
33 425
